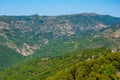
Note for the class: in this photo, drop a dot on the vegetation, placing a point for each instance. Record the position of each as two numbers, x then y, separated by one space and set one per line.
42 31
104 68
64 47
82 65
8 57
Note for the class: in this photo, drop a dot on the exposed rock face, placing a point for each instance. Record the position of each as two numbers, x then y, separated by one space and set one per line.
116 34
4 25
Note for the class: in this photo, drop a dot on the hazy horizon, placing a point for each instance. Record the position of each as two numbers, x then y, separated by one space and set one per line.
60 7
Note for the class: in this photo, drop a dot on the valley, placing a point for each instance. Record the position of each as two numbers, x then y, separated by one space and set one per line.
65 47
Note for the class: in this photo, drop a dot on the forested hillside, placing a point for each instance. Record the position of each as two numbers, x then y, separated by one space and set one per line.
104 68
90 64
8 57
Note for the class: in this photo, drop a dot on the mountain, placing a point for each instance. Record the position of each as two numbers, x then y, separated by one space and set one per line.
47 47
28 34
52 36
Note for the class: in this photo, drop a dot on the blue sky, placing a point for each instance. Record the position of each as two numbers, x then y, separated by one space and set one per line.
59 7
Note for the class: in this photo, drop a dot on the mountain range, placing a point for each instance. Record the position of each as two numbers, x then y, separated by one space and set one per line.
24 40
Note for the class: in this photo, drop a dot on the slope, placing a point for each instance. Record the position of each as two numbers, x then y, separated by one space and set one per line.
40 69
8 56
104 68
31 33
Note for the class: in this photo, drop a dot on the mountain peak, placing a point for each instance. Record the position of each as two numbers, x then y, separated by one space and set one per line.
89 14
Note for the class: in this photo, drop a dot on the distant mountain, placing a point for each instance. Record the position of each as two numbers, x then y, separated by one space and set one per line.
50 36
26 34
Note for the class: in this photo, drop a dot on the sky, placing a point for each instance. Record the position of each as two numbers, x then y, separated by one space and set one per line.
59 7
